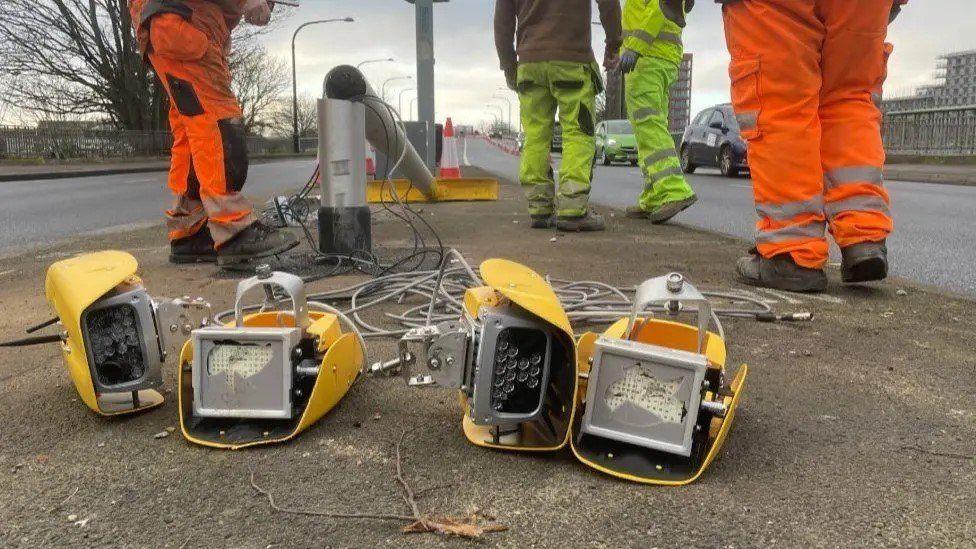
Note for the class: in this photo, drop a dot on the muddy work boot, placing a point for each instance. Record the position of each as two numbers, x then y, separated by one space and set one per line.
255 242
664 212
864 262
590 222
779 273
197 248
636 212
543 222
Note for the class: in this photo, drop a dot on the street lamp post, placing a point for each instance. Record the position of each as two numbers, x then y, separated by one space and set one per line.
505 89
509 101
294 74
400 102
371 61
393 79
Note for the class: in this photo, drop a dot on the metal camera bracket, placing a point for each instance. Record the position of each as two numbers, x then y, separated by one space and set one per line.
438 355
293 286
673 292
177 318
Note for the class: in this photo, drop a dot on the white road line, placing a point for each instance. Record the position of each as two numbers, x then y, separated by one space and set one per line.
784 297
738 186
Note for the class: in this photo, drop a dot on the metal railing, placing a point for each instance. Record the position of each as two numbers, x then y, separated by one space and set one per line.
943 131
71 143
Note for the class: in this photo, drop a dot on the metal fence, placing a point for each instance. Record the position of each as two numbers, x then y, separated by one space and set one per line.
945 131
68 143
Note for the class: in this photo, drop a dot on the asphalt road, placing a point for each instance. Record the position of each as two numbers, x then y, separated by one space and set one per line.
934 240
40 213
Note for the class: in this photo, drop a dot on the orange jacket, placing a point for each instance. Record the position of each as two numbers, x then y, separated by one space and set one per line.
215 18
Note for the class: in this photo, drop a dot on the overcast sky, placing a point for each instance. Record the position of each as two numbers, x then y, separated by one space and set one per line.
467 68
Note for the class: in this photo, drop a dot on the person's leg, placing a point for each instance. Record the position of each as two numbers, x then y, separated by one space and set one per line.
648 103
187 216
854 68
538 109
775 71
575 92
190 240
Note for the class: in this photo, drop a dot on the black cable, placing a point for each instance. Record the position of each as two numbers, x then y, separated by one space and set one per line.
42 325
30 341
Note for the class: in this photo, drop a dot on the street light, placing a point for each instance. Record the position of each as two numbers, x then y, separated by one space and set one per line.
509 101
294 74
371 61
388 80
400 102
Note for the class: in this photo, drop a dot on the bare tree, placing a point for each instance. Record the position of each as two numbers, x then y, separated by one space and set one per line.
259 80
88 48
280 123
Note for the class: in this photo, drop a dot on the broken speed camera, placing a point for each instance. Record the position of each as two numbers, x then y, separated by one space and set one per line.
657 408
510 353
268 375
115 337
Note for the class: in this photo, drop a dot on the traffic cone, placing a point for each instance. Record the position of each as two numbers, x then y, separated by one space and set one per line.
450 164
370 161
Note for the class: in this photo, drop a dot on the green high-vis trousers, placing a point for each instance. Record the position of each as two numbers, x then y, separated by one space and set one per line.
571 89
648 102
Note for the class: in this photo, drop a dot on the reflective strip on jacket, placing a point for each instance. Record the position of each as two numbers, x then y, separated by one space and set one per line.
648 32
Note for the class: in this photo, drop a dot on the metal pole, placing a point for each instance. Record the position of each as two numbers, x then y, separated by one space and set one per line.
400 101
509 101
294 76
425 74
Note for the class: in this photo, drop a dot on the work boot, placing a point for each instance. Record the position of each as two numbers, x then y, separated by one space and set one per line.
864 262
664 212
590 222
196 248
543 221
254 242
636 212
779 273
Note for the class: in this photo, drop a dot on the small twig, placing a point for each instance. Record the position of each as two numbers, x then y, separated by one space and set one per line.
367 516
408 495
939 454
65 500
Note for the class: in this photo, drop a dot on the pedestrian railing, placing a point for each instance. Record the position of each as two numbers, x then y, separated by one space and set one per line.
74 142
944 131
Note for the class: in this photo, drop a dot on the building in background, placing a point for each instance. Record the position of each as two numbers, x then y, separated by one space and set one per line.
955 86
680 110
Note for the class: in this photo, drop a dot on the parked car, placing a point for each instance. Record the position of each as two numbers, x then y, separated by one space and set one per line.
615 142
713 139
557 137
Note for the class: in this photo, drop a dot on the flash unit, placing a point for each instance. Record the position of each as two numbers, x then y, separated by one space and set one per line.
115 337
511 354
656 409
265 377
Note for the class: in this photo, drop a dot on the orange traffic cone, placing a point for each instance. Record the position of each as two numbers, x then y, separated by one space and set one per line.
370 162
450 164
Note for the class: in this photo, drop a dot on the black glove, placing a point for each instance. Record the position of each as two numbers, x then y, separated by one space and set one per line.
895 10
628 60
675 10
511 78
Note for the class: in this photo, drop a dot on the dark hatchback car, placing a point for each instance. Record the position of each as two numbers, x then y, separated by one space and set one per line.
713 139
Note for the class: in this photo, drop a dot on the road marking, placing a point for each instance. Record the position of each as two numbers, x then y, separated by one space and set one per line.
794 298
738 186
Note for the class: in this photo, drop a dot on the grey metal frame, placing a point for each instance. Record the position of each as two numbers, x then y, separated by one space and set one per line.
152 354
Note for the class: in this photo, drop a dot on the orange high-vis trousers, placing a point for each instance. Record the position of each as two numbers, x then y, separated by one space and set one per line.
806 87
209 164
